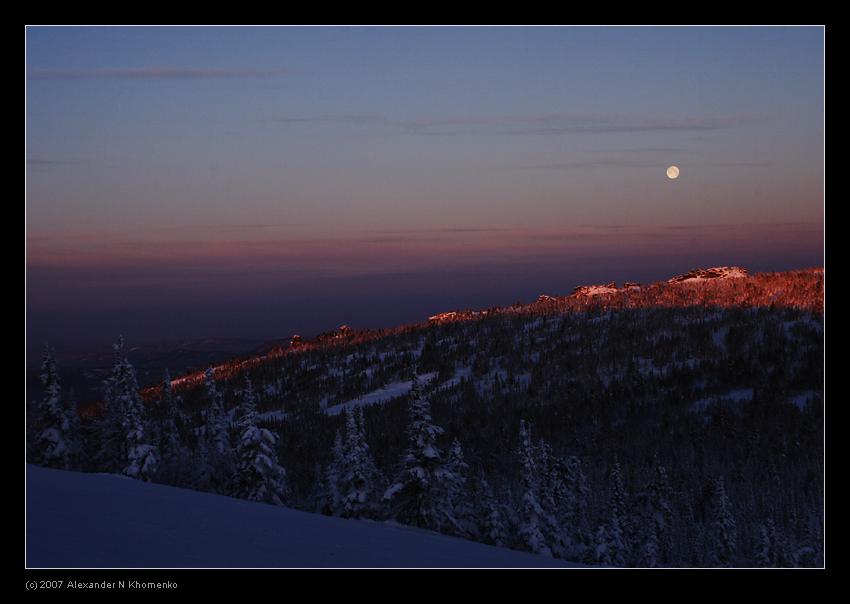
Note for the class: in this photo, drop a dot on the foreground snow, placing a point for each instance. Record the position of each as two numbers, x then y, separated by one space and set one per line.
77 520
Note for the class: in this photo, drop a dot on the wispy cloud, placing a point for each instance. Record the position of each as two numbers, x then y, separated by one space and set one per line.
628 163
268 225
41 161
574 123
175 73
446 230
590 163
740 164
355 119
535 124
646 150
741 227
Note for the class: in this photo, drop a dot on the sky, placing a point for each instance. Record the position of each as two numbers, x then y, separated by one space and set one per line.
257 182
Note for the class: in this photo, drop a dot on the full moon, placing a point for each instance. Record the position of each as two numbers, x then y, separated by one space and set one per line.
672 172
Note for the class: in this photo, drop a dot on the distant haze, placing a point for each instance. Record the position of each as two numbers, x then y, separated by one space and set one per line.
257 182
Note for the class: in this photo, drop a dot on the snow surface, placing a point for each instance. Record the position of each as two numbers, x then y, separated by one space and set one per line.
381 395
736 396
271 416
76 520
803 399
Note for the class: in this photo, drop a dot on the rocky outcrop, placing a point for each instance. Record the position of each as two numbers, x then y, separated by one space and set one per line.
706 274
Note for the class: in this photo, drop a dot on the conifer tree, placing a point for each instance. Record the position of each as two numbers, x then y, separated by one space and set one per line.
661 510
215 452
490 520
553 498
360 478
611 545
532 515
111 454
456 492
142 458
576 518
53 440
216 422
331 497
416 496
723 529
172 452
258 476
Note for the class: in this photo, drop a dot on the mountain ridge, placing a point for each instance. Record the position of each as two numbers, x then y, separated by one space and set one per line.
722 286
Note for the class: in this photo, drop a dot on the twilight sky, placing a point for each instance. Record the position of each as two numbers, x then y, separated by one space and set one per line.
255 182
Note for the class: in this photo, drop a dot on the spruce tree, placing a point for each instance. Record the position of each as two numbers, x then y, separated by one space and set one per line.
53 433
216 425
722 528
576 519
360 478
142 458
215 453
661 509
258 476
490 520
416 496
611 544
456 492
532 516
331 497
111 453
172 452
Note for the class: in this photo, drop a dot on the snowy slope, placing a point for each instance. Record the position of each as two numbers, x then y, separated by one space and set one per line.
381 395
79 520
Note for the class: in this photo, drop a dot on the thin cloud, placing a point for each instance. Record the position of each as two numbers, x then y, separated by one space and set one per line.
537 124
740 164
446 230
398 239
152 73
268 225
40 161
644 150
593 163
742 226
629 163
334 119
574 123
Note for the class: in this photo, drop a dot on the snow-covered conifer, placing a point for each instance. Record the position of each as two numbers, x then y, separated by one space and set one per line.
490 520
722 527
576 520
258 476
416 494
216 425
532 516
53 433
360 478
331 498
171 450
141 457
457 493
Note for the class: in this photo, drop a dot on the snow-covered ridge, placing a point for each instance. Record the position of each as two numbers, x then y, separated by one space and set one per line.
706 274
595 290
694 276
798 289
